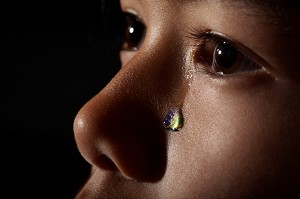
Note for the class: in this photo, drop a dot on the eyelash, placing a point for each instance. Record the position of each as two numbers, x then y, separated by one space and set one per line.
209 39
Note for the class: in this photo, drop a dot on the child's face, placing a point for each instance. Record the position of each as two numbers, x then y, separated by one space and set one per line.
232 68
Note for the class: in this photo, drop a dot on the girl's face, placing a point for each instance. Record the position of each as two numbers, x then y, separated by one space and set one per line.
231 68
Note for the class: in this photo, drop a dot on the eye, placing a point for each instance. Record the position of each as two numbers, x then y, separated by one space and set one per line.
134 32
221 57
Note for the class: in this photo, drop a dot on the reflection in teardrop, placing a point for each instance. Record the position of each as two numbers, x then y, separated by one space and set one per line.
174 120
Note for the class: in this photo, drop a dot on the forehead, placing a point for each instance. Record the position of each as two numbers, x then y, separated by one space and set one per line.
275 5
282 13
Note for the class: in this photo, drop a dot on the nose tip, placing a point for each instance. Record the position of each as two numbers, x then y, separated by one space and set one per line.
122 137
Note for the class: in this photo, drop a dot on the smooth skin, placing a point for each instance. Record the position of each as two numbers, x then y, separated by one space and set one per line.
241 133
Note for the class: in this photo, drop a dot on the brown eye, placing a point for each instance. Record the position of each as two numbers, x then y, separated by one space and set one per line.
221 57
134 32
227 59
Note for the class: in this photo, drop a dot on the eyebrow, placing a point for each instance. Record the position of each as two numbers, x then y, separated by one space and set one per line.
264 6
274 12
282 15
271 8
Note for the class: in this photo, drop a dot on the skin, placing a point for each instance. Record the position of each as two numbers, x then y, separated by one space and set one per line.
240 138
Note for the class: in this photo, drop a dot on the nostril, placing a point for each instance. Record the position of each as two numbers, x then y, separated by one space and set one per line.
106 163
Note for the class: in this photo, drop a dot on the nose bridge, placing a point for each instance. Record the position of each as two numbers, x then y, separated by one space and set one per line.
123 123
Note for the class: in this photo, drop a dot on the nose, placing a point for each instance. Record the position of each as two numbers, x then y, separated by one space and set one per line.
120 129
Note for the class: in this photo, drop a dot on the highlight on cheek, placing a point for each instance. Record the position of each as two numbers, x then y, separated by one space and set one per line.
173 120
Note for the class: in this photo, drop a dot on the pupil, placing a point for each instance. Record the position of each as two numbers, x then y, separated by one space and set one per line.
226 55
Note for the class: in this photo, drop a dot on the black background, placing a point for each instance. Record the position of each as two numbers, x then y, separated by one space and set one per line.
55 56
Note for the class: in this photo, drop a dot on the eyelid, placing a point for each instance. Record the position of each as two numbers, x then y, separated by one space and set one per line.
134 13
216 37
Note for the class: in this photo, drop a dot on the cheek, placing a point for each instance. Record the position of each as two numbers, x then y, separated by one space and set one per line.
234 139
